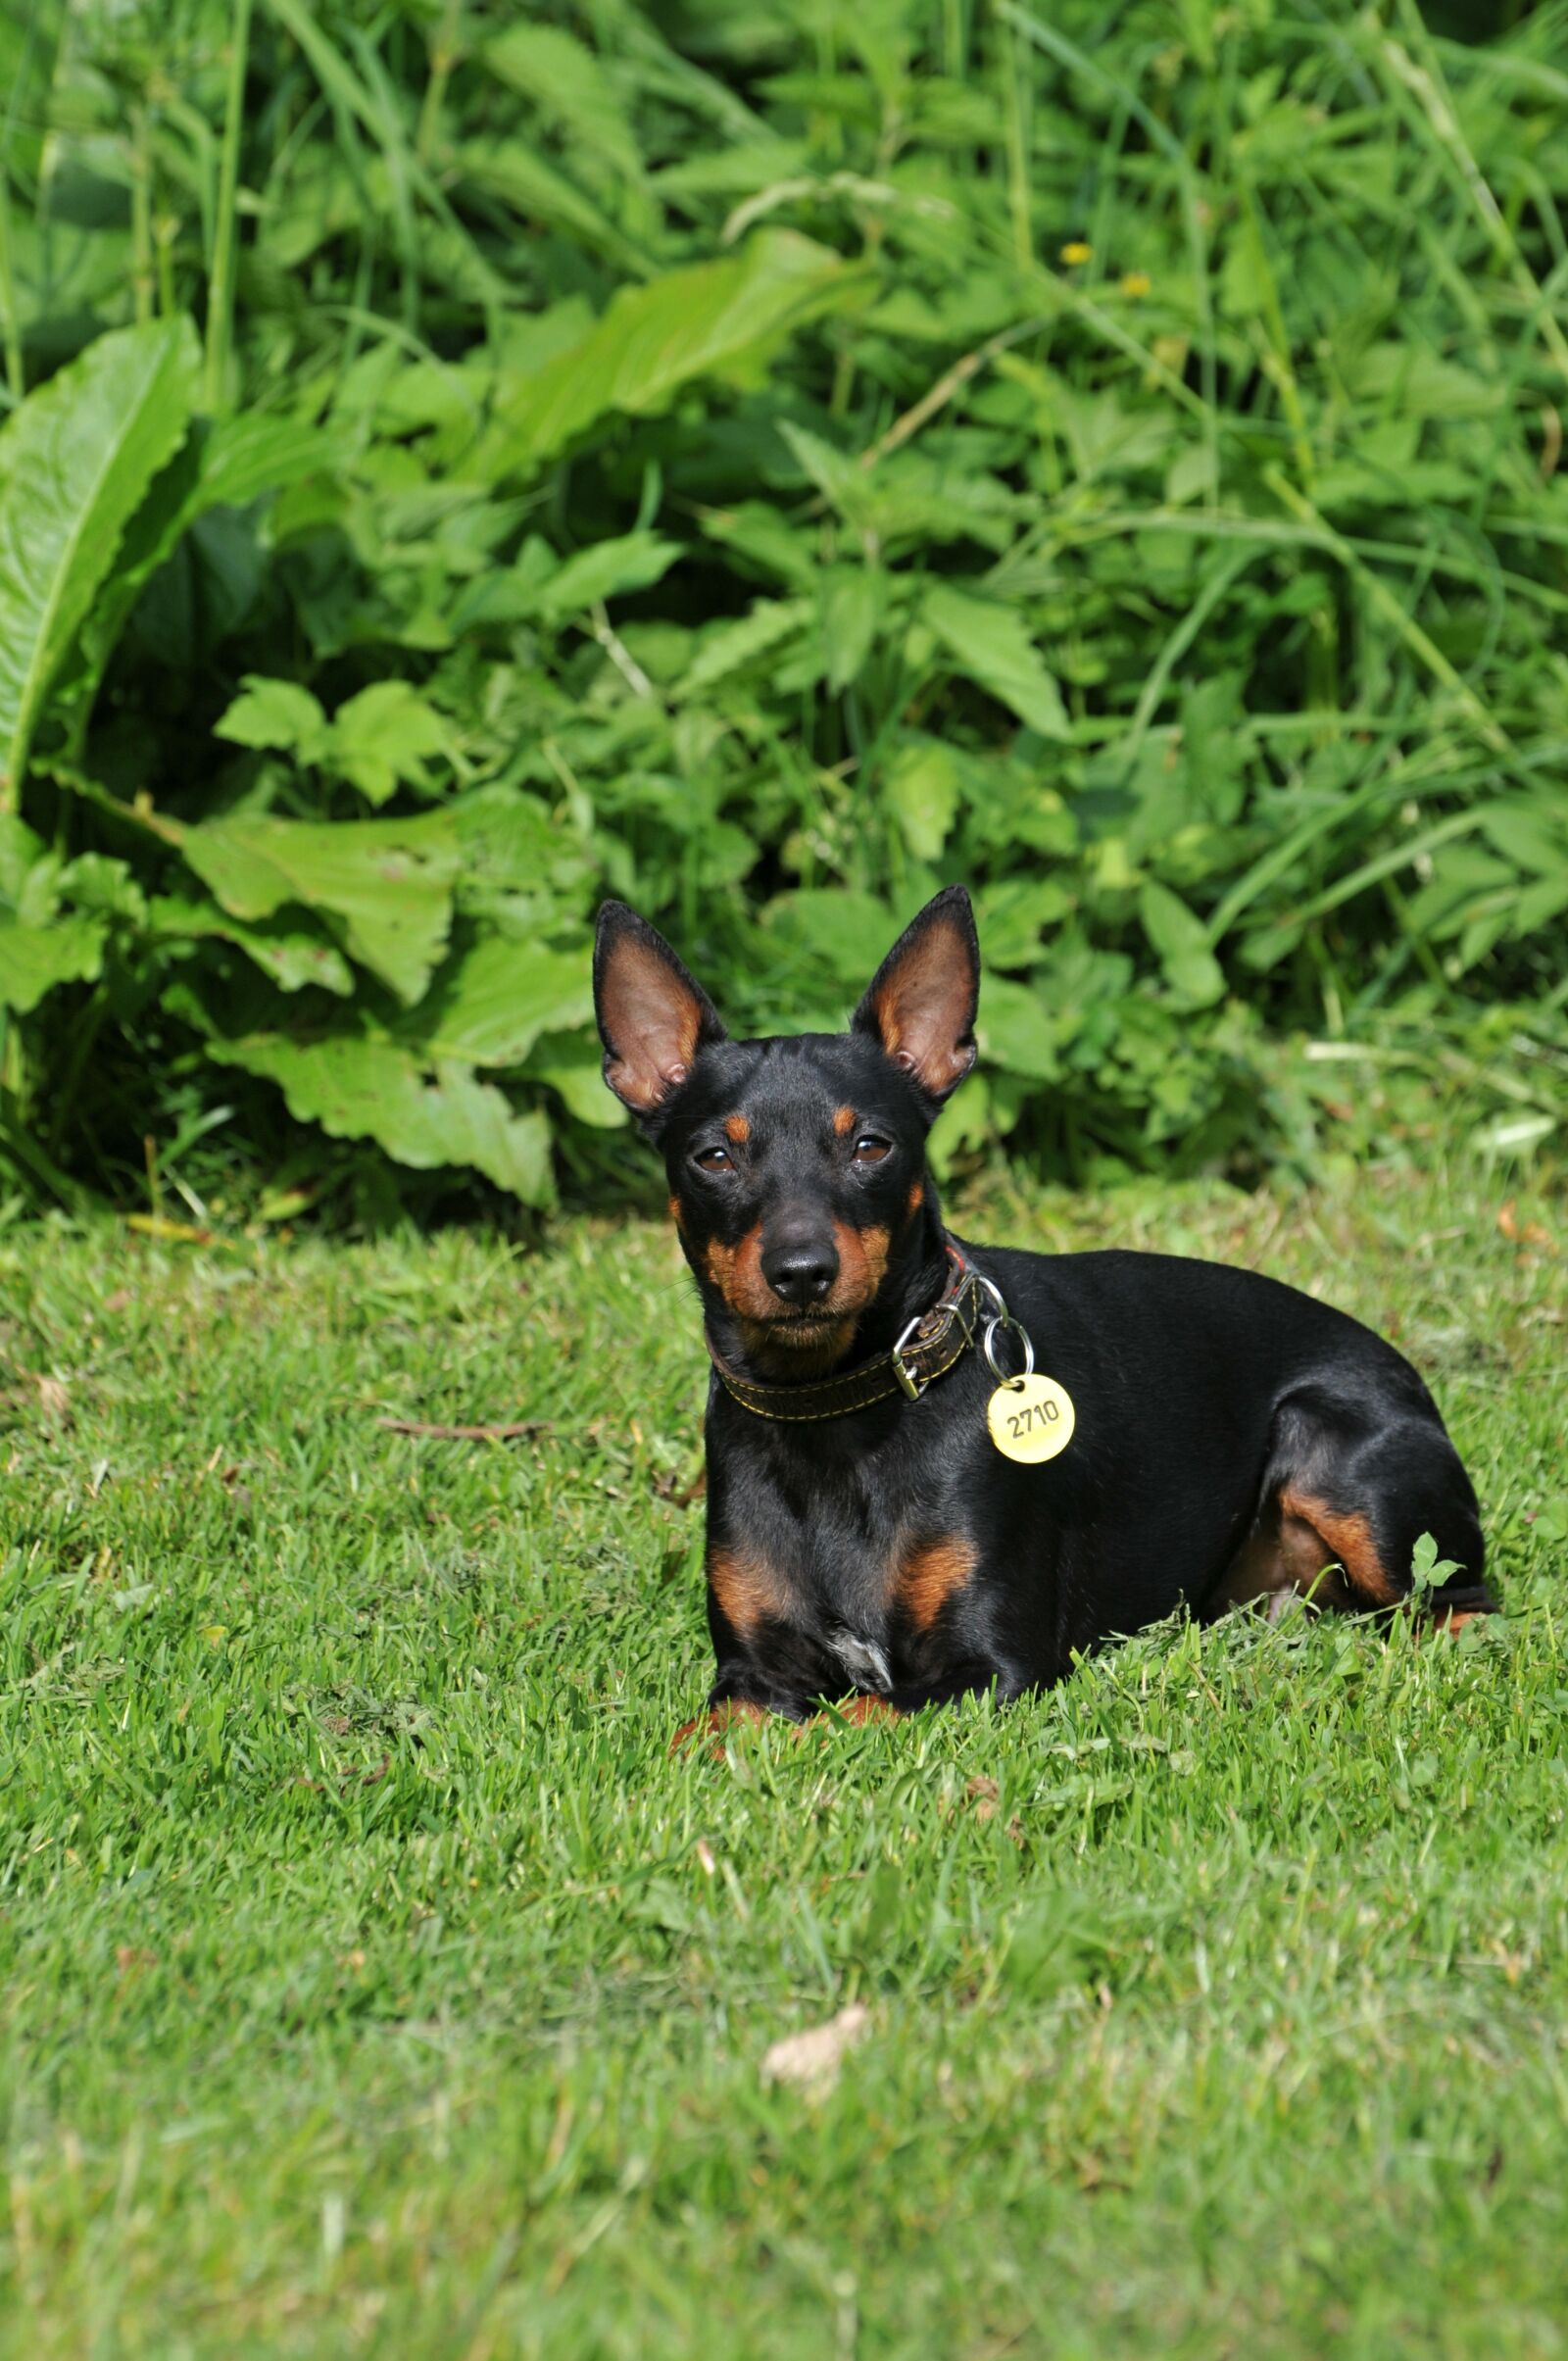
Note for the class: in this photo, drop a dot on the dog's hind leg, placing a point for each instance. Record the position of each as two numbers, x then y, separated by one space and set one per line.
1350 1487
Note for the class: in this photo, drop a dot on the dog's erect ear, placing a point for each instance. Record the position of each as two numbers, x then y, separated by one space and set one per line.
653 1017
922 1000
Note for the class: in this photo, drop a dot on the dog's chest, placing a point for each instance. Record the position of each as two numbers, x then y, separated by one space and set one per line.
859 1567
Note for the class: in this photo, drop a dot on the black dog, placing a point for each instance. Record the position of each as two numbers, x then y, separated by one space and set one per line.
884 1515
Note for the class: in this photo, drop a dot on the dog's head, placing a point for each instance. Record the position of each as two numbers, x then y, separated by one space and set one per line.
797 1167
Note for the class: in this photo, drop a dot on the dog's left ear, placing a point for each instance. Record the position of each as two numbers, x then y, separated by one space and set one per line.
922 1000
654 1016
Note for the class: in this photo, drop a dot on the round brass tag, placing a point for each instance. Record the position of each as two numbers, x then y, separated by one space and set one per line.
1031 1418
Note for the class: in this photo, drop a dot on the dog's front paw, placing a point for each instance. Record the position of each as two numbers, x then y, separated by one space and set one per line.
864 1707
709 1727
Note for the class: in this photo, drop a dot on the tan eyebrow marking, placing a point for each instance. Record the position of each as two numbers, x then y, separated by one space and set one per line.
844 1120
737 1128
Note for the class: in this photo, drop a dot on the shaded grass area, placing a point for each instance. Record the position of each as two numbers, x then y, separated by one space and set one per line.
373 1983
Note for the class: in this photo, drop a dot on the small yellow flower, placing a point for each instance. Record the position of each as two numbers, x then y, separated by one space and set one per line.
1075 251
1135 282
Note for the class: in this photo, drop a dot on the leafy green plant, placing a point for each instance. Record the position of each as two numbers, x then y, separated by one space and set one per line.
766 474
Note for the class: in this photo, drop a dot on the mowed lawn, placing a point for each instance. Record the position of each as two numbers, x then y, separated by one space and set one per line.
374 1983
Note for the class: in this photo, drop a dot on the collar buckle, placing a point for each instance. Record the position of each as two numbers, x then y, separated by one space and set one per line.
910 1380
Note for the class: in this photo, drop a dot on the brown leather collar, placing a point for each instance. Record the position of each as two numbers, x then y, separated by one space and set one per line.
930 1348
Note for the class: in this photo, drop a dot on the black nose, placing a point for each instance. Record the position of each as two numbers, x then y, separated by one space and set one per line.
801 1266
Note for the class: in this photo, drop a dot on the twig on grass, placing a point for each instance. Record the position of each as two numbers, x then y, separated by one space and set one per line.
508 1430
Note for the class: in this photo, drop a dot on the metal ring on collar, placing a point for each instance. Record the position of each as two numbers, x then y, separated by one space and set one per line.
988 1347
989 1287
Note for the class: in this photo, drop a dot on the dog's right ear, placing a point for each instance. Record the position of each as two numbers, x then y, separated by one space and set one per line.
652 1015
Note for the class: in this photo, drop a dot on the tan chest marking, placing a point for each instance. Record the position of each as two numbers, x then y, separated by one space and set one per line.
931 1573
749 1591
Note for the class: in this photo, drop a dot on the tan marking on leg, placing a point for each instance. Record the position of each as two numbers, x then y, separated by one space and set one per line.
737 1129
1284 1553
1348 1541
934 1572
844 1120
748 1591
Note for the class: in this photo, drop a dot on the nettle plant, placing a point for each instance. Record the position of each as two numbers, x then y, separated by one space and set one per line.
768 474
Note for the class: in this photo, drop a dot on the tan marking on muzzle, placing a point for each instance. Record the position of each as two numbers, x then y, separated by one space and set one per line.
736 1272
863 1266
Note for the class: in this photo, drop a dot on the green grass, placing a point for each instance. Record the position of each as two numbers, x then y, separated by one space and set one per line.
373 1983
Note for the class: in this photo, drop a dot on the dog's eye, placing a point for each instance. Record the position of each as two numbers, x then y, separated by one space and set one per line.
713 1159
869 1150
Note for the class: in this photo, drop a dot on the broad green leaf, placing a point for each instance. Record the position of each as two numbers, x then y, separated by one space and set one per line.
1014 1031
239 459
358 1087
921 791
606 569
386 882
992 644
21 850
1012 912
74 463
730 647
29 42
853 602
382 738
227 464
1181 940
34 958
564 81
98 882
525 180
275 714
834 937
512 842
573 1064
834 472
289 954
711 318
1535 834
41 945
490 1006
764 542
